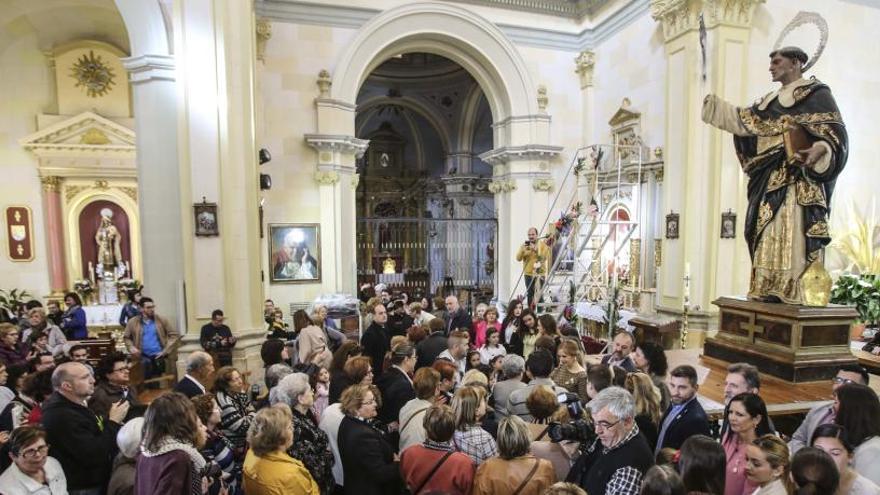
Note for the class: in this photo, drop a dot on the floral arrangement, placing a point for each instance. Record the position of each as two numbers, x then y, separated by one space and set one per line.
84 288
563 225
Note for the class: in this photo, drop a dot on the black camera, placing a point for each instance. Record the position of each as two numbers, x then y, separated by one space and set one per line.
581 430
572 403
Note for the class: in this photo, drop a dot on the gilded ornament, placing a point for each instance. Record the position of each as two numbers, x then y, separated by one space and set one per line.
765 214
51 183
809 193
327 178
101 184
542 184
778 179
71 191
92 73
94 136
131 192
816 285
818 229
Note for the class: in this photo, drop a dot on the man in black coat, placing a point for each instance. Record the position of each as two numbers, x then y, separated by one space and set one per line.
216 337
622 346
375 340
457 318
83 443
199 368
616 461
428 349
398 321
685 416
396 385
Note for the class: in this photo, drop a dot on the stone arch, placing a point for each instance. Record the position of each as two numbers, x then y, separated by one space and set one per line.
413 105
147 26
452 32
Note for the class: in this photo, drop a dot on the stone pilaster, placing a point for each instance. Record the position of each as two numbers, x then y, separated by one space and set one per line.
584 64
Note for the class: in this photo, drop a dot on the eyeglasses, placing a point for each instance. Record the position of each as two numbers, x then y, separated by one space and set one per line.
124 368
605 425
842 381
33 453
370 402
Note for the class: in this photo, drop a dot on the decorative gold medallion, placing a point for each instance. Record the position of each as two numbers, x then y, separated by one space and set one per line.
92 73
816 285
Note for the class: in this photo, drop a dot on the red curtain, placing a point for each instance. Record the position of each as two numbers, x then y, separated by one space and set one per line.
89 221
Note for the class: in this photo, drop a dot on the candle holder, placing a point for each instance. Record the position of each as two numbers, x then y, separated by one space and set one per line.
686 302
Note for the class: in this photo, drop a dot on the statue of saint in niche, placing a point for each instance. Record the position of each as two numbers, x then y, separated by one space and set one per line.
792 144
109 243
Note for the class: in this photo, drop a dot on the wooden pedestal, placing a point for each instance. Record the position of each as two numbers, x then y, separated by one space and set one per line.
795 343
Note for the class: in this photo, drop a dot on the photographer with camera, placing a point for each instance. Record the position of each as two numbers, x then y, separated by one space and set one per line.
535 256
614 462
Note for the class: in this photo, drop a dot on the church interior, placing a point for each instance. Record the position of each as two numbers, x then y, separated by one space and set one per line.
217 154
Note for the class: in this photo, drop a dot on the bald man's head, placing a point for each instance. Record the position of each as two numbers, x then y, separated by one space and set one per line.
74 381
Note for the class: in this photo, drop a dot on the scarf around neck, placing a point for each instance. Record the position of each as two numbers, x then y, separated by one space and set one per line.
167 445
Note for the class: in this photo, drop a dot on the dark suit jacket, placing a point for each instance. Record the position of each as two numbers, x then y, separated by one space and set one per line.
627 363
367 459
460 319
692 420
428 349
396 391
376 342
188 387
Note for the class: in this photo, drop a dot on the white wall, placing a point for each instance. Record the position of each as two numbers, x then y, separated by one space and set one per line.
26 89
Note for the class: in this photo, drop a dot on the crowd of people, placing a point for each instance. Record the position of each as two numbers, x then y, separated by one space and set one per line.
429 399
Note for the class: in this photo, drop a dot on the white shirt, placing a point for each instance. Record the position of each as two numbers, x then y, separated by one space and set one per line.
330 420
488 353
461 363
424 318
14 482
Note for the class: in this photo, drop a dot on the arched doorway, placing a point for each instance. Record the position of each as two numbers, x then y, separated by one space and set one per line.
519 149
425 217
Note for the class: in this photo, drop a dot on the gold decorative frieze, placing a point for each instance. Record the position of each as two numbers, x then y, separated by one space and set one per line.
71 191
94 136
101 184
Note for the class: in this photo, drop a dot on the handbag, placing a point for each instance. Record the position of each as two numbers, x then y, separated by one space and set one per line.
431 474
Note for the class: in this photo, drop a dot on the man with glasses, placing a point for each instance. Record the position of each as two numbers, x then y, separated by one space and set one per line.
32 467
824 414
615 462
81 441
150 338
113 373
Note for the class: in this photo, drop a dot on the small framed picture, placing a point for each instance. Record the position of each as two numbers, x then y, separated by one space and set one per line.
728 225
294 253
672 225
206 219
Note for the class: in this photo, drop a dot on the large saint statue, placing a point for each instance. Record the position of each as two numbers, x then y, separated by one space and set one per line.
792 144
109 245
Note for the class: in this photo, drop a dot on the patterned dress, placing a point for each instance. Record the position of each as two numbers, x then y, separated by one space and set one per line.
311 446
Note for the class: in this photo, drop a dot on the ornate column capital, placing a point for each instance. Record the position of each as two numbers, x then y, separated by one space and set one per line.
543 184
264 33
676 16
502 186
326 177
680 16
584 64
51 183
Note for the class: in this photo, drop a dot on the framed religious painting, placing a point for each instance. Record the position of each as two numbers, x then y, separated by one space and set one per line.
294 253
728 225
206 219
672 225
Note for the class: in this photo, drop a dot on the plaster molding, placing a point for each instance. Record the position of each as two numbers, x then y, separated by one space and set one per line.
324 82
147 68
584 64
730 12
355 180
502 186
337 143
76 137
335 104
543 99
505 154
264 33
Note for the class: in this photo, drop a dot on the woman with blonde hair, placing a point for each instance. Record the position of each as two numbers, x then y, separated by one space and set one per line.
515 470
648 412
570 374
469 405
769 465
268 469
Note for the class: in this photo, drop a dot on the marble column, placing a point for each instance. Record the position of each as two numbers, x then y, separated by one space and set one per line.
54 235
699 159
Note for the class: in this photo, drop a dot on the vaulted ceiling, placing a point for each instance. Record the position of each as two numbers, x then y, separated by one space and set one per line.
55 22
